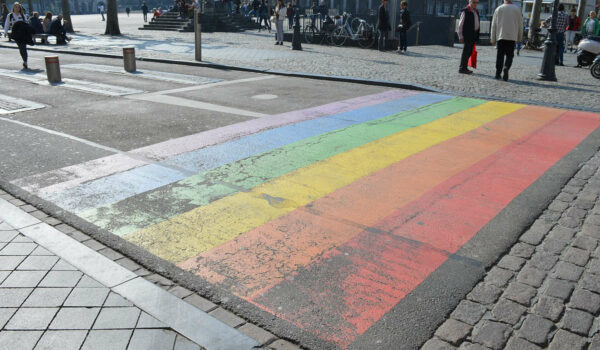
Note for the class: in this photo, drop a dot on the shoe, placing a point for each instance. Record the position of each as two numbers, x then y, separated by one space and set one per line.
277 43
505 74
465 71
498 77
561 64
24 65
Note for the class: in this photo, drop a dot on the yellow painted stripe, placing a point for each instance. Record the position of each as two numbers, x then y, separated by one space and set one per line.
208 226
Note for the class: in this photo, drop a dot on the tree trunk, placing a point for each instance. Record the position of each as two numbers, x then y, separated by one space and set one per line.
534 21
112 20
66 12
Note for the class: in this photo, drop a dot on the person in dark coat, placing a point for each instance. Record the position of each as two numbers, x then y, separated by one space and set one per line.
468 33
383 24
36 23
57 29
405 24
145 11
22 34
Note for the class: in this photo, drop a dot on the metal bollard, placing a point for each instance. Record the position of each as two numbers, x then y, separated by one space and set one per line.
53 69
197 36
129 59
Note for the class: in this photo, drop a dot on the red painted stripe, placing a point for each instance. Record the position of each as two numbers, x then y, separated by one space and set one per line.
351 287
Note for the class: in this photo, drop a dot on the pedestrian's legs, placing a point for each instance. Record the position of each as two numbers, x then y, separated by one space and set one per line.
382 39
499 57
280 31
509 51
467 52
268 23
560 38
23 51
403 40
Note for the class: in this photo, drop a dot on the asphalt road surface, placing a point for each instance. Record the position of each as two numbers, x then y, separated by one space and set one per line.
338 215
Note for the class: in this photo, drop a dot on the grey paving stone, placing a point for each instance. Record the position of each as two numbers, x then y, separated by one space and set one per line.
93 244
61 279
590 230
5 315
498 276
111 254
510 262
472 346
38 214
201 303
558 288
87 281
19 340
180 292
107 339
585 242
468 312
63 340
571 189
562 233
570 222
585 300
553 246
78 236
227 317
158 279
31 318
536 329
13 297
577 321
549 307
536 233
18 249
593 266
75 318
62 265
142 272
117 318
47 297
437 344
522 250
41 251
64 228
517 343
576 213
51 221
575 256
519 292
10 262
182 343
508 311
152 339
3 275
492 334
115 299
259 334
38 262
128 264
551 216
17 202
591 282
87 297
531 276
453 331
595 344
557 205
564 340
485 294
147 321
23 279
22 239
567 271
7 236
565 197
594 219
543 260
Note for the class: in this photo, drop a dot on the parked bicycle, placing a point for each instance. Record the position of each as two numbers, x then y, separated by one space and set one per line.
316 35
355 29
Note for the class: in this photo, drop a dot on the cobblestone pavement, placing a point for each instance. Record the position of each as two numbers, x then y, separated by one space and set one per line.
545 293
46 303
433 66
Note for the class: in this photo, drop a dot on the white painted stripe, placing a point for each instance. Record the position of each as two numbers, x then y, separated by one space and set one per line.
182 317
26 75
10 105
184 102
144 73
206 86
97 88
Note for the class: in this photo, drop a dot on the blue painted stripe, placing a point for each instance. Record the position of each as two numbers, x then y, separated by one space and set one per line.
119 186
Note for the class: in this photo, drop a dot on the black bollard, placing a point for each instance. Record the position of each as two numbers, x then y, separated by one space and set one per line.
547 71
296 44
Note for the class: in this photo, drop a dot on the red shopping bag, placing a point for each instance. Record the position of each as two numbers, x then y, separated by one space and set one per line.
473 58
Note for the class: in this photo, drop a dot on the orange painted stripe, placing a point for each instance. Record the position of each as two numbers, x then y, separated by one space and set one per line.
262 257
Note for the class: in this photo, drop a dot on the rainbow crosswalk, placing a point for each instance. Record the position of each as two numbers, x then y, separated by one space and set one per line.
325 217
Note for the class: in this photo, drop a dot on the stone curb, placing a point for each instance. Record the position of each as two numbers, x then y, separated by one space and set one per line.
179 315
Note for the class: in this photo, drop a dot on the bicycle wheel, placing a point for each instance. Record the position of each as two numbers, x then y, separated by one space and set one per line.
338 37
366 36
355 24
309 34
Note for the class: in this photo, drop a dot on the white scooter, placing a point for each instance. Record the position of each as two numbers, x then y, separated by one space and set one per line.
595 68
587 50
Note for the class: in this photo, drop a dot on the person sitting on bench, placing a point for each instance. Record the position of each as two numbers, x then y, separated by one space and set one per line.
36 24
57 29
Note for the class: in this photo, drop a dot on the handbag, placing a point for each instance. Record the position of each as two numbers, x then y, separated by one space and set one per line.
399 27
273 19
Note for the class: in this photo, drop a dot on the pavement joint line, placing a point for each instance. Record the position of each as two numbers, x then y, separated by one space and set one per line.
174 312
184 102
211 85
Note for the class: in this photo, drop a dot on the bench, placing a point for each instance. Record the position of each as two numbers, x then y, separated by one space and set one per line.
42 37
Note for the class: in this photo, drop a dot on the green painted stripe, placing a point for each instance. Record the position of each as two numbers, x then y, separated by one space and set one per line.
149 208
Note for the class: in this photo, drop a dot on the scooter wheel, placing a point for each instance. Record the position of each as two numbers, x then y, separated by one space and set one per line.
595 70
583 61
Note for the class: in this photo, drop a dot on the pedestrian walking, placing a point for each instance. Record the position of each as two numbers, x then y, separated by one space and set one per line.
127 10
263 11
145 11
101 10
572 29
280 13
591 26
562 22
404 26
290 15
468 33
383 25
507 29
21 32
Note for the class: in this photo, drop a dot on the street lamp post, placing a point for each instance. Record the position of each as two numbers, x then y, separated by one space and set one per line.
296 41
548 62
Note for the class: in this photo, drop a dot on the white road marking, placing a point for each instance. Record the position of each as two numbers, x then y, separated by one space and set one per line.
97 88
206 86
10 105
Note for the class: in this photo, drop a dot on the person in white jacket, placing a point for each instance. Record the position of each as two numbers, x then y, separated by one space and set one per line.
280 13
507 29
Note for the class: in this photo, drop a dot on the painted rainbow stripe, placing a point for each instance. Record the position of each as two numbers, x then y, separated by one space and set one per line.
330 216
